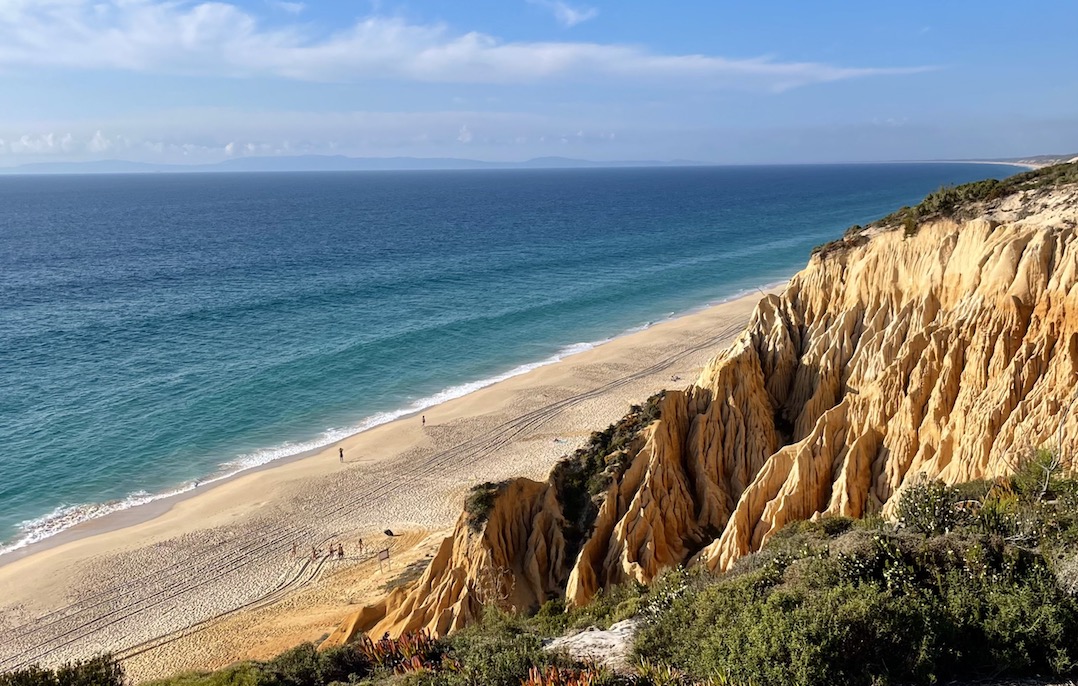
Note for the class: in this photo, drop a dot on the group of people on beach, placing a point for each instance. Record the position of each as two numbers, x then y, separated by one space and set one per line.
336 550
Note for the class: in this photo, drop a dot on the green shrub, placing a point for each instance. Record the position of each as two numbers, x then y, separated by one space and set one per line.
584 476
928 506
973 491
99 671
1038 476
871 608
480 502
909 222
243 674
958 201
300 666
499 651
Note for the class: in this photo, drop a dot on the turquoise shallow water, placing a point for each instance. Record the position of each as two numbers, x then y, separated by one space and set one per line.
158 329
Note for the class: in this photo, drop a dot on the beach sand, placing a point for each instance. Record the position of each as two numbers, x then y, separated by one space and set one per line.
203 580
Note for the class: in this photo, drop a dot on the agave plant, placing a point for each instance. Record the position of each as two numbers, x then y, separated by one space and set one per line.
413 651
560 676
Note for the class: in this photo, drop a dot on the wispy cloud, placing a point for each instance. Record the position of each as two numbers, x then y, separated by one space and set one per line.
566 14
222 39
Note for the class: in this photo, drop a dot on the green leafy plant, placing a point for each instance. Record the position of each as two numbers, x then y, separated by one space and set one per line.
98 671
480 503
928 506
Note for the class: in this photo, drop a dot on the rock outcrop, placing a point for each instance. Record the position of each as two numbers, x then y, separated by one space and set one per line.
514 556
949 351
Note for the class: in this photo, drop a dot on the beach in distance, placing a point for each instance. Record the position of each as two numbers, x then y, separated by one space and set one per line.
187 357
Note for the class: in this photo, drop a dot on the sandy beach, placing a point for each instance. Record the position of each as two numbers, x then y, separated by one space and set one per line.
210 578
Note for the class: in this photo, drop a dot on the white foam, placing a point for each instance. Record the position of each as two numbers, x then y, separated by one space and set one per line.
66 516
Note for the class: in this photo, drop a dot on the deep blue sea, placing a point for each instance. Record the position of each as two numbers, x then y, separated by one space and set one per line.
157 329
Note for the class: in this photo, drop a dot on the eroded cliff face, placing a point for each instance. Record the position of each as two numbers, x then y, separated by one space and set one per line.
514 558
952 353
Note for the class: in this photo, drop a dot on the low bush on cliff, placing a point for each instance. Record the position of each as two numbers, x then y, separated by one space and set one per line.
978 580
880 609
99 671
500 651
956 202
480 502
584 476
361 662
580 478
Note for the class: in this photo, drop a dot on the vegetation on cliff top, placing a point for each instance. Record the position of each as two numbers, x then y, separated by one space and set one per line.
957 202
978 580
582 478
479 503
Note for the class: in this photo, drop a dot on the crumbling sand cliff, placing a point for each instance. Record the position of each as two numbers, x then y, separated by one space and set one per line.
949 350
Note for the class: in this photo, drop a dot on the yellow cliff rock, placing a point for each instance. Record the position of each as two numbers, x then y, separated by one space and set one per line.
951 353
515 558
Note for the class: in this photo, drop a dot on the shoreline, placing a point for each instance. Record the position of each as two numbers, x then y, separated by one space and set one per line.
69 522
1023 165
162 503
136 508
126 579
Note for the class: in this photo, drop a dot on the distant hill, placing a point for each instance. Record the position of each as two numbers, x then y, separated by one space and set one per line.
309 163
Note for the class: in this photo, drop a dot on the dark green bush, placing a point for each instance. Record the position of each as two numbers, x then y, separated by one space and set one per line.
928 507
98 671
1038 476
243 674
873 608
480 502
582 477
909 222
300 666
497 652
959 202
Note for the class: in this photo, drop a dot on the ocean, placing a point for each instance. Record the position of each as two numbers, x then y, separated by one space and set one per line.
160 329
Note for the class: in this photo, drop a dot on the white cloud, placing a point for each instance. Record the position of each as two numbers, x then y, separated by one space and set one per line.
41 143
566 14
213 134
99 143
221 39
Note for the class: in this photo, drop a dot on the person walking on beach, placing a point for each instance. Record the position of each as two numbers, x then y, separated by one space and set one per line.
340 551
342 455
295 549
424 418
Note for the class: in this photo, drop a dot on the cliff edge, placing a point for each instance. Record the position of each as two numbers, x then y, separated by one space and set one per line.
941 341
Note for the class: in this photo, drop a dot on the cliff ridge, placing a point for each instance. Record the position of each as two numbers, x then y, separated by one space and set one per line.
940 342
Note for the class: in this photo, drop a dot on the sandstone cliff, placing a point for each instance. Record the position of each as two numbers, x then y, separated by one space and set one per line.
948 348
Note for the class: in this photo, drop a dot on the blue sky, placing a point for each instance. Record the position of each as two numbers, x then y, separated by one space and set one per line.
724 82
